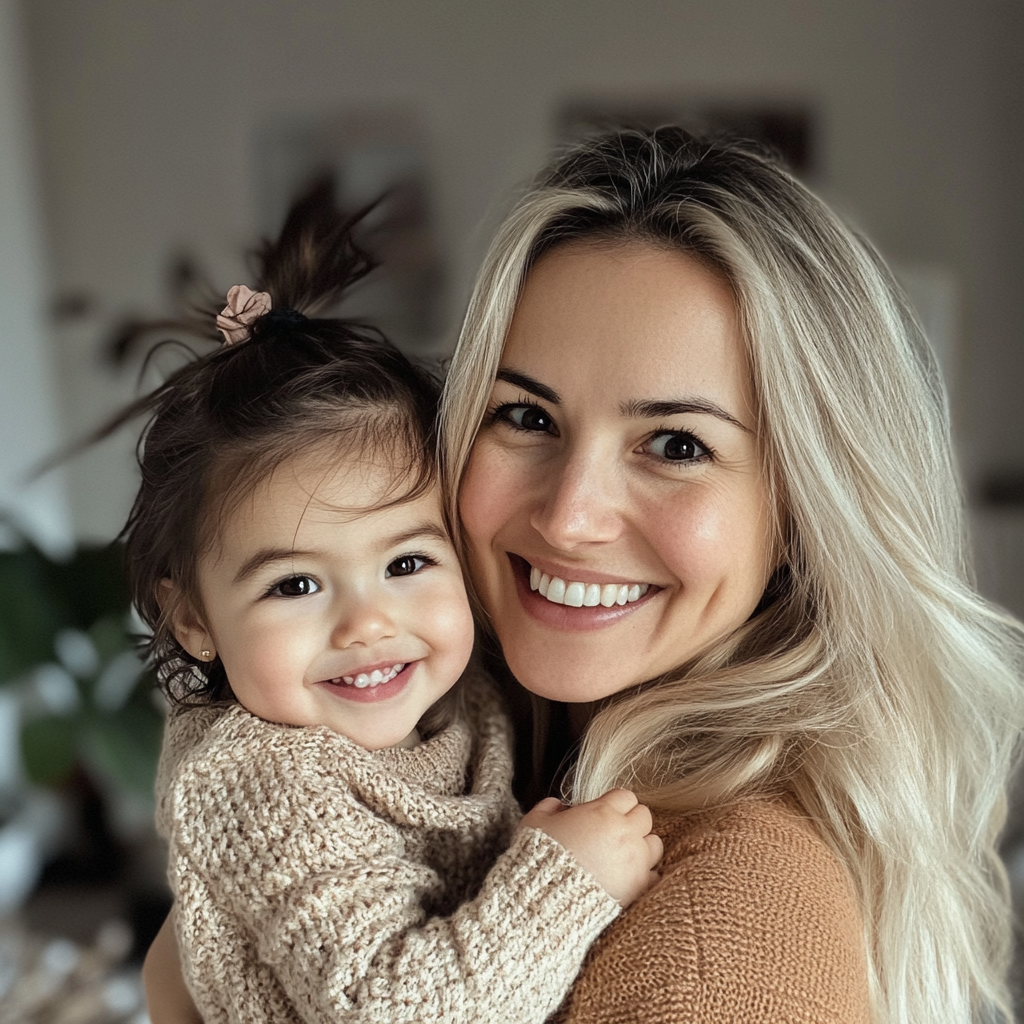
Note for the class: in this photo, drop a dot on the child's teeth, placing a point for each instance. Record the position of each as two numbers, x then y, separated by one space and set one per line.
585 595
374 678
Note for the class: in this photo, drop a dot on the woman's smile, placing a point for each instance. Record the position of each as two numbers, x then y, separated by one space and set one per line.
571 603
614 504
584 593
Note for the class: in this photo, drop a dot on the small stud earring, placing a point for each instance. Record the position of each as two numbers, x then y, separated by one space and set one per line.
205 655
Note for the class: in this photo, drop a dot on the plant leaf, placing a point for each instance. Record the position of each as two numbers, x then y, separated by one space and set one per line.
49 749
30 614
124 747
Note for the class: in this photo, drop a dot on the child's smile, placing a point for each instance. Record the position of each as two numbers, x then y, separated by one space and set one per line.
326 614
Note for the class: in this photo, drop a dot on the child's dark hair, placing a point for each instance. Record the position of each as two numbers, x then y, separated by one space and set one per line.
222 423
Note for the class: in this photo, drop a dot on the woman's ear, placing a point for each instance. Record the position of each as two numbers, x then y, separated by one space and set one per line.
188 629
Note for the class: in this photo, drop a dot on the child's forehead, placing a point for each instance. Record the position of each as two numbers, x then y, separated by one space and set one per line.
347 488
311 499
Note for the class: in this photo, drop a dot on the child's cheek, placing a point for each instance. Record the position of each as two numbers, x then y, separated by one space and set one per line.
453 628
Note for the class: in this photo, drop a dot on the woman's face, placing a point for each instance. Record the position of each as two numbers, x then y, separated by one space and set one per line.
614 505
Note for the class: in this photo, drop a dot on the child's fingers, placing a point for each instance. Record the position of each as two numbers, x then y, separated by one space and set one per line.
640 818
549 805
655 848
621 800
541 816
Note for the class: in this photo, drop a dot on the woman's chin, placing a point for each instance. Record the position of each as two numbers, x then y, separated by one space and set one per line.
568 682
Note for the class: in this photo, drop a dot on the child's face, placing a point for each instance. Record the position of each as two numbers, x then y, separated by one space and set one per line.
354 620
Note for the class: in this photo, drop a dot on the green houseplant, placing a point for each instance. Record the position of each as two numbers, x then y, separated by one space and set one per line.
66 646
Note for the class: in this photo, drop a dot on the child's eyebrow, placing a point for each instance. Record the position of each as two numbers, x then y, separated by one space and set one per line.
422 530
264 557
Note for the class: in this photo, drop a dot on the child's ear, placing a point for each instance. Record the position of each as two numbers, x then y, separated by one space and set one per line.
188 628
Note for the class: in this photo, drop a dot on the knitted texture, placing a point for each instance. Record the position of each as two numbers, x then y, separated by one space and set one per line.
320 882
754 922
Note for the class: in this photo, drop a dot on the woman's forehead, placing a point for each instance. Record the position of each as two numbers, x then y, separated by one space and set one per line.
630 322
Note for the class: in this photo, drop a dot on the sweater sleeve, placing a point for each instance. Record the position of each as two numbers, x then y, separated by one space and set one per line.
354 945
754 921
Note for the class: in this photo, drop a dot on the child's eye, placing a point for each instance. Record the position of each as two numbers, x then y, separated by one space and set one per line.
678 446
406 565
295 586
525 416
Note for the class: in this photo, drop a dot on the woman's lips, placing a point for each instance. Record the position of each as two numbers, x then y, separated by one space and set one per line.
586 615
369 692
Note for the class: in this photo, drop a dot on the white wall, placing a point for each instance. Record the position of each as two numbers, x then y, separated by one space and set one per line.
146 114
29 428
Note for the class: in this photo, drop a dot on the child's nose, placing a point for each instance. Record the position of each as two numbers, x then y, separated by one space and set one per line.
362 622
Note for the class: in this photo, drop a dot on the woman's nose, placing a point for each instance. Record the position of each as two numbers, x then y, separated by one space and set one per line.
361 621
579 501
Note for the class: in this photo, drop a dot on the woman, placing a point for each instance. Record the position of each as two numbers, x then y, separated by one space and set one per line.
692 377
704 474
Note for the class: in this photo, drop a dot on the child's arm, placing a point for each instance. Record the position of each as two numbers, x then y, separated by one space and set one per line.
351 943
292 891
167 998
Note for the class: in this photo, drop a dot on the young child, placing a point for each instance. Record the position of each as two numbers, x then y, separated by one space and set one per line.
335 784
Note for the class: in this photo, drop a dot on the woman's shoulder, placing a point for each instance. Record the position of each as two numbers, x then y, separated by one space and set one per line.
768 841
755 918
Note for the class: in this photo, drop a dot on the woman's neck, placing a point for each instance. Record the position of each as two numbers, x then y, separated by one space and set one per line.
579 718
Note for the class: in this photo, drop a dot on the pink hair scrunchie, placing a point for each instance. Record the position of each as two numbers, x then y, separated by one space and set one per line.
244 308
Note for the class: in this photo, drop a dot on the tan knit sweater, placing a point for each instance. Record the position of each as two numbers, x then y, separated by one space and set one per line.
320 882
754 922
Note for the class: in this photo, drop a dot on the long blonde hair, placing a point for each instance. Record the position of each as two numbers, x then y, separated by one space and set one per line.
873 683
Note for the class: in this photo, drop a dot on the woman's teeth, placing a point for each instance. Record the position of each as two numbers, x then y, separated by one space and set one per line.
585 595
374 678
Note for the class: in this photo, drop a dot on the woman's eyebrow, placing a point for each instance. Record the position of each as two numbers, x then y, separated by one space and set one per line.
527 383
651 408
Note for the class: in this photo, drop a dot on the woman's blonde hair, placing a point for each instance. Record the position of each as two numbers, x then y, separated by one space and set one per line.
872 683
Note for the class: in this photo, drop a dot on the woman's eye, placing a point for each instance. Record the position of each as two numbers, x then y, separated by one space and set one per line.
679 447
296 586
526 417
406 565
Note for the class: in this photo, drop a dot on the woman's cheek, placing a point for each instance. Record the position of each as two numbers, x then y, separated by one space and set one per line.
485 497
712 542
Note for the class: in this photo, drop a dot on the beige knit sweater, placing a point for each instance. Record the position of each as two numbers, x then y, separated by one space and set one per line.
755 921
320 882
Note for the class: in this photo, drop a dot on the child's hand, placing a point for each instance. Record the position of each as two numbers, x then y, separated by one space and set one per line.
610 837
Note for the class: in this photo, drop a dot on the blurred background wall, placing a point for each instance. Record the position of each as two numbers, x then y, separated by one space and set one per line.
28 383
142 122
